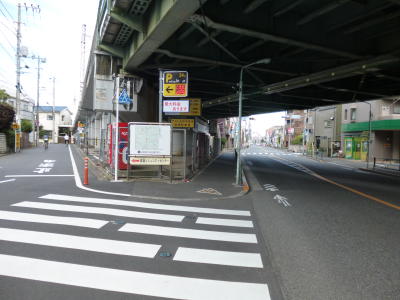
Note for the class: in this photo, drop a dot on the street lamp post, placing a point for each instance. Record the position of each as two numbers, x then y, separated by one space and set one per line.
239 128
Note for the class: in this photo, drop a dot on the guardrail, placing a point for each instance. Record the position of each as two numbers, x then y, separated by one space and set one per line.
387 163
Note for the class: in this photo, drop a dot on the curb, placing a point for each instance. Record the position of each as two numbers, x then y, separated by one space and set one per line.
96 171
380 172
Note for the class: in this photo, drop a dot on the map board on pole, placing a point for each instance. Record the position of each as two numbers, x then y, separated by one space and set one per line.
175 84
149 139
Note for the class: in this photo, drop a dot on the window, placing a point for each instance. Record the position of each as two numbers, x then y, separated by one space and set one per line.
353 114
62 118
328 123
49 117
345 114
396 109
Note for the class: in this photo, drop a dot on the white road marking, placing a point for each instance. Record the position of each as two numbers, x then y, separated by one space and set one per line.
8 180
79 242
217 257
45 175
38 218
209 191
344 167
101 211
78 181
129 281
282 200
148 205
270 187
224 222
191 233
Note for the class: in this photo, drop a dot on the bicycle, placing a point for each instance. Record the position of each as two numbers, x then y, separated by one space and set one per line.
46 145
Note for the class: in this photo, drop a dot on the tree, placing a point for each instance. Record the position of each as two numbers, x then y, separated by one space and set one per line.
6 116
298 140
26 126
4 95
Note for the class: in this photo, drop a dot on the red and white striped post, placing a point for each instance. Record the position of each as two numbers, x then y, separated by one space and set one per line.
86 172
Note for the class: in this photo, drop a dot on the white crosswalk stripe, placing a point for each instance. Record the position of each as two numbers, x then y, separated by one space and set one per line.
147 205
100 210
38 218
128 281
190 233
213 246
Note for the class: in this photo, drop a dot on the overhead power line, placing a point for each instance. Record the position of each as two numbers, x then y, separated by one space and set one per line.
2 4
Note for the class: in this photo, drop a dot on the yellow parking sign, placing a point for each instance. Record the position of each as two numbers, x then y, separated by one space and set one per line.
175 84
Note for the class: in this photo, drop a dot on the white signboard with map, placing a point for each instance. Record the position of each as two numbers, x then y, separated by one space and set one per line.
149 139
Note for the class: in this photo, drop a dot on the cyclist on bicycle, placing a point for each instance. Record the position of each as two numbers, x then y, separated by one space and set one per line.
46 141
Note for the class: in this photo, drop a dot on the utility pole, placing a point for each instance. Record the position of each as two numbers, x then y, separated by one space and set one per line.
54 114
18 85
39 60
83 56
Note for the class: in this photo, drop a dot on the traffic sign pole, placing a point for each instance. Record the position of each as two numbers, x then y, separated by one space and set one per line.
160 97
116 131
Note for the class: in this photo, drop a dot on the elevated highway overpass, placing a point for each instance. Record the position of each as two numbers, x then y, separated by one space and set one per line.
322 52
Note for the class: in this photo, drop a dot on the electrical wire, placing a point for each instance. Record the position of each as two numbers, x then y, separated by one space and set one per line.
11 45
2 4
6 51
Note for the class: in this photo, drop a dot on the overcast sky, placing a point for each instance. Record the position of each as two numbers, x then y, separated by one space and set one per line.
54 33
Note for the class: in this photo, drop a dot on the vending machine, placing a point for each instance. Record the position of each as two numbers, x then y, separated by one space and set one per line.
122 147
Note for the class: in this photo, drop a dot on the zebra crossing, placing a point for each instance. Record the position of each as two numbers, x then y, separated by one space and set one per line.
247 153
224 238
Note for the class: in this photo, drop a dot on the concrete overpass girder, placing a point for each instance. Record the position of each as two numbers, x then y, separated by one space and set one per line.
164 19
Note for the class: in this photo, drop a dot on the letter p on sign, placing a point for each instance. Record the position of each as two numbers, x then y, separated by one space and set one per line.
168 77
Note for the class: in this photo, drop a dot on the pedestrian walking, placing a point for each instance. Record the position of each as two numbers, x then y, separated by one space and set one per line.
66 139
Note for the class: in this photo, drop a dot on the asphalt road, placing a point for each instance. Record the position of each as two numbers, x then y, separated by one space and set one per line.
332 231
307 230
61 242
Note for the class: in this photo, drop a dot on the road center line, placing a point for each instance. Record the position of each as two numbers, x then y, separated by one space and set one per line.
370 197
101 211
79 242
129 281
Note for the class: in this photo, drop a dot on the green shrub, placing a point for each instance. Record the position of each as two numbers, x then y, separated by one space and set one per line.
298 140
26 126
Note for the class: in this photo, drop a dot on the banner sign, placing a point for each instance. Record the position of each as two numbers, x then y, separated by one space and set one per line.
175 106
182 123
149 139
154 161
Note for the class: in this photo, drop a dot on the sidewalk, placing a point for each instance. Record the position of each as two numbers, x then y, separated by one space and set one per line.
362 165
216 181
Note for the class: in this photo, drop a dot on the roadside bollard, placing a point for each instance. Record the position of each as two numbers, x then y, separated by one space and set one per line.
86 172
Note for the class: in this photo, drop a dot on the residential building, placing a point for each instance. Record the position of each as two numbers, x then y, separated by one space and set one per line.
380 121
323 130
60 122
294 127
26 107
